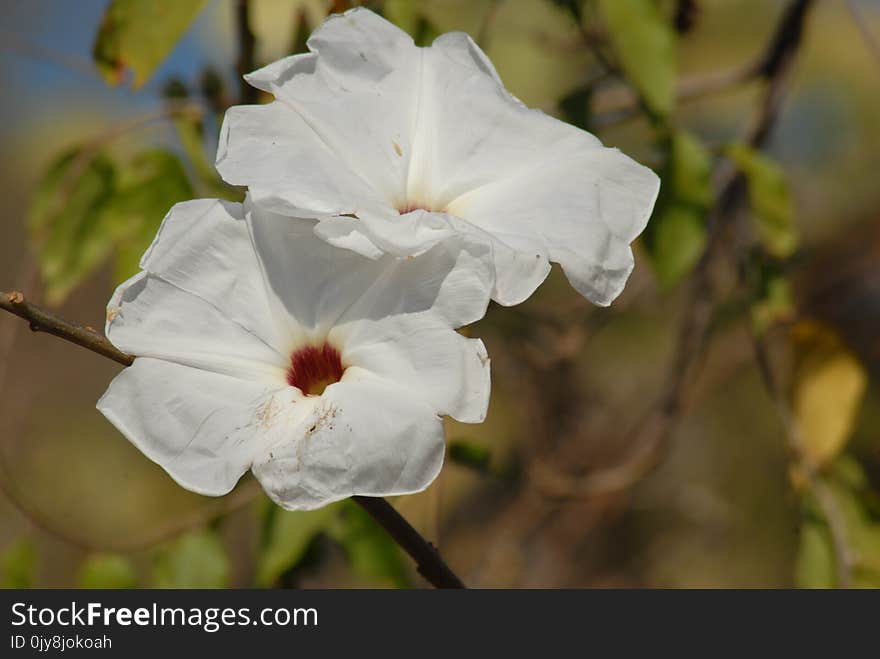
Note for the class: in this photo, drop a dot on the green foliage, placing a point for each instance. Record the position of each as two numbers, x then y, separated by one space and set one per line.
372 555
816 565
371 552
65 221
773 304
151 183
770 199
196 559
288 536
470 454
106 571
414 18
575 107
137 35
18 563
402 13
645 46
676 235
86 206
209 183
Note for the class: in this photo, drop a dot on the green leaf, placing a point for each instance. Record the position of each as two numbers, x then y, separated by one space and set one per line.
828 384
770 197
149 185
676 235
65 223
645 46
690 170
469 454
196 559
18 563
402 13
288 537
678 240
773 304
106 571
209 183
371 552
137 35
85 206
816 565
189 130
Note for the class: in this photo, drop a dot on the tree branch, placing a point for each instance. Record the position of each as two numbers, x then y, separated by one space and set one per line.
616 105
41 320
651 438
428 560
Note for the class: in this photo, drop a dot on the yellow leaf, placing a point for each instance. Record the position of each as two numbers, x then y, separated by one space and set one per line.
828 386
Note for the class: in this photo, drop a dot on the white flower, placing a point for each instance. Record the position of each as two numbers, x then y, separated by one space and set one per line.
394 148
260 346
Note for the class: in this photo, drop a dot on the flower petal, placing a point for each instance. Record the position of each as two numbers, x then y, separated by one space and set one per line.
204 429
338 138
530 181
366 436
403 236
200 300
435 129
585 207
287 167
520 264
450 371
451 282
203 247
361 98
149 317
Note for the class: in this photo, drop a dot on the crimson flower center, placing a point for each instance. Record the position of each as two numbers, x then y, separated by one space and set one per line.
314 368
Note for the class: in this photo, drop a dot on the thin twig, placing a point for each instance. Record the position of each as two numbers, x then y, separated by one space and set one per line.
617 105
593 41
844 559
428 560
27 277
19 45
41 320
246 47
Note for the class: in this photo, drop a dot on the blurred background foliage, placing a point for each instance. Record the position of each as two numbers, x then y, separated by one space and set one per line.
717 426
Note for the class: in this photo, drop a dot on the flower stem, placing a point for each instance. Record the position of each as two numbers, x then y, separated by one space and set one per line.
428 560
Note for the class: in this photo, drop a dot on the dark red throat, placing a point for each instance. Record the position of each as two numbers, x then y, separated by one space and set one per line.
314 368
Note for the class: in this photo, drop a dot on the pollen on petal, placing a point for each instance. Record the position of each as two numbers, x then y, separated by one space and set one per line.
314 368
